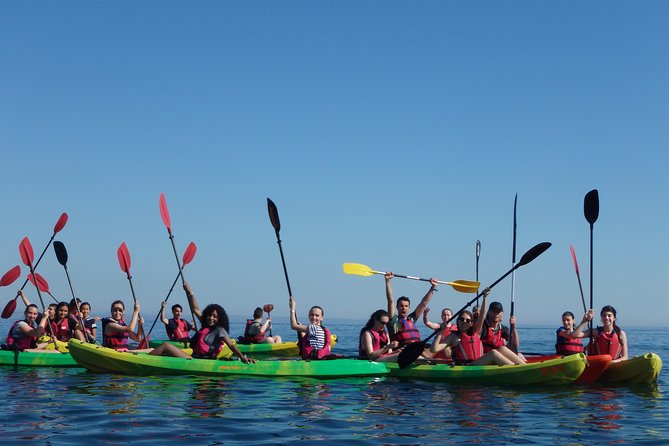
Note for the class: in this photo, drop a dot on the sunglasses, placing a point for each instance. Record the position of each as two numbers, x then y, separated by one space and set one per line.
382 322
117 309
462 319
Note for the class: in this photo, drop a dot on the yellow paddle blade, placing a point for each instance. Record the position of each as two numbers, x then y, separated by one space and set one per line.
465 286
358 269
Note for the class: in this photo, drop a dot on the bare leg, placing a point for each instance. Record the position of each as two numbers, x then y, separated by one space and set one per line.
493 357
166 349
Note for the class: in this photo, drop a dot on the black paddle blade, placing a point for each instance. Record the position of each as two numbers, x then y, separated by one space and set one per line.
273 215
533 253
591 206
61 252
410 353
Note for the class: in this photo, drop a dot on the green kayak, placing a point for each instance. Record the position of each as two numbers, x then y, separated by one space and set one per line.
550 372
39 358
101 359
643 369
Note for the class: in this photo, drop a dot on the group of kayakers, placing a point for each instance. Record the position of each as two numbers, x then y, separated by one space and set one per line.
478 337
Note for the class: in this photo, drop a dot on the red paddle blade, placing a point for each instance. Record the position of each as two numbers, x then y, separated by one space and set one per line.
60 224
573 256
164 213
267 308
41 285
26 251
10 276
9 309
191 249
124 258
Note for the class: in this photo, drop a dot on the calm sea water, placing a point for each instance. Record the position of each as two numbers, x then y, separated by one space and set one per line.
73 407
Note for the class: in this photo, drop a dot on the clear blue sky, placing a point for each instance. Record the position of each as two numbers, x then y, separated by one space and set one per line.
392 134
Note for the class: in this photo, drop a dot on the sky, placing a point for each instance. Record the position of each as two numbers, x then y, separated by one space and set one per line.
391 134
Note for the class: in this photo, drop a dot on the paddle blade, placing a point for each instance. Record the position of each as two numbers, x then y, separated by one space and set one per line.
465 286
273 215
573 257
60 224
410 353
26 251
164 213
478 248
41 284
267 308
191 249
591 206
9 309
124 258
533 253
10 276
61 252
358 269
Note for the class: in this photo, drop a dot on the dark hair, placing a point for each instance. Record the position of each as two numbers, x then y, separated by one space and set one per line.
404 298
316 306
376 316
223 320
29 306
257 313
117 302
609 308
470 331
63 304
175 306
74 302
568 313
84 303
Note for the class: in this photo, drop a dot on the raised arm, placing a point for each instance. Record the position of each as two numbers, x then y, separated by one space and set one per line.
163 319
580 332
432 325
293 317
424 301
478 326
24 298
193 302
389 294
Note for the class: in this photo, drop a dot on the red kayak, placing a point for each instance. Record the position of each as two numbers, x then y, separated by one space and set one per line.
596 366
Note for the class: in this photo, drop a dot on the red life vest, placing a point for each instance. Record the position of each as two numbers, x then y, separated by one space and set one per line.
379 340
309 352
20 343
469 349
117 340
606 343
247 338
567 346
61 330
407 334
200 347
180 332
490 339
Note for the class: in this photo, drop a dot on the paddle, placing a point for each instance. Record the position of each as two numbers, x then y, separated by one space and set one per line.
412 351
578 276
464 286
165 215
11 305
7 279
267 308
276 223
27 255
513 276
591 212
124 261
478 254
191 249
41 283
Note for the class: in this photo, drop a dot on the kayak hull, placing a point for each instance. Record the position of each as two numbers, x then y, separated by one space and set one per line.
49 358
644 369
101 359
550 372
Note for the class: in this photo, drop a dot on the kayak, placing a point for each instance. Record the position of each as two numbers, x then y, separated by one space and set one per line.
280 350
596 365
549 372
643 369
106 360
44 358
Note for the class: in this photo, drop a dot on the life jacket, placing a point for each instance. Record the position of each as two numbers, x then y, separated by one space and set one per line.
117 340
88 328
379 340
178 333
606 343
490 339
61 330
567 346
469 349
309 352
22 342
452 328
407 334
251 339
200 347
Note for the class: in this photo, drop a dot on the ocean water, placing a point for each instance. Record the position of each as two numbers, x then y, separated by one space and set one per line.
74 407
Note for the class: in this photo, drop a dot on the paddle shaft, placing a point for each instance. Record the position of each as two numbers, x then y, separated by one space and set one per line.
139 315
513 276
32 270
578 277
39 294
76 303
478 255
283 262
181 273
591 281
169 293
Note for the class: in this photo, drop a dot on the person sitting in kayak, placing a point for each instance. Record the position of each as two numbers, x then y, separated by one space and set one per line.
23 333
315 342
373 341
402 326
495 335
445 327
466 344
212 337
178 329
90 325
115 331
607 339
255 329
64 326
566 343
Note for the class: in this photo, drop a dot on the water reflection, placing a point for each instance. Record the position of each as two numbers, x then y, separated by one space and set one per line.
208 399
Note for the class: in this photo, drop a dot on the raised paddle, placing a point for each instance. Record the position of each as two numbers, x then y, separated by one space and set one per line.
412 351
591 212
358 269
41 283
267 308
513 277
165 215
7 279
27 255
276 223
578 276
124 261
11 305
478 255
187 258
